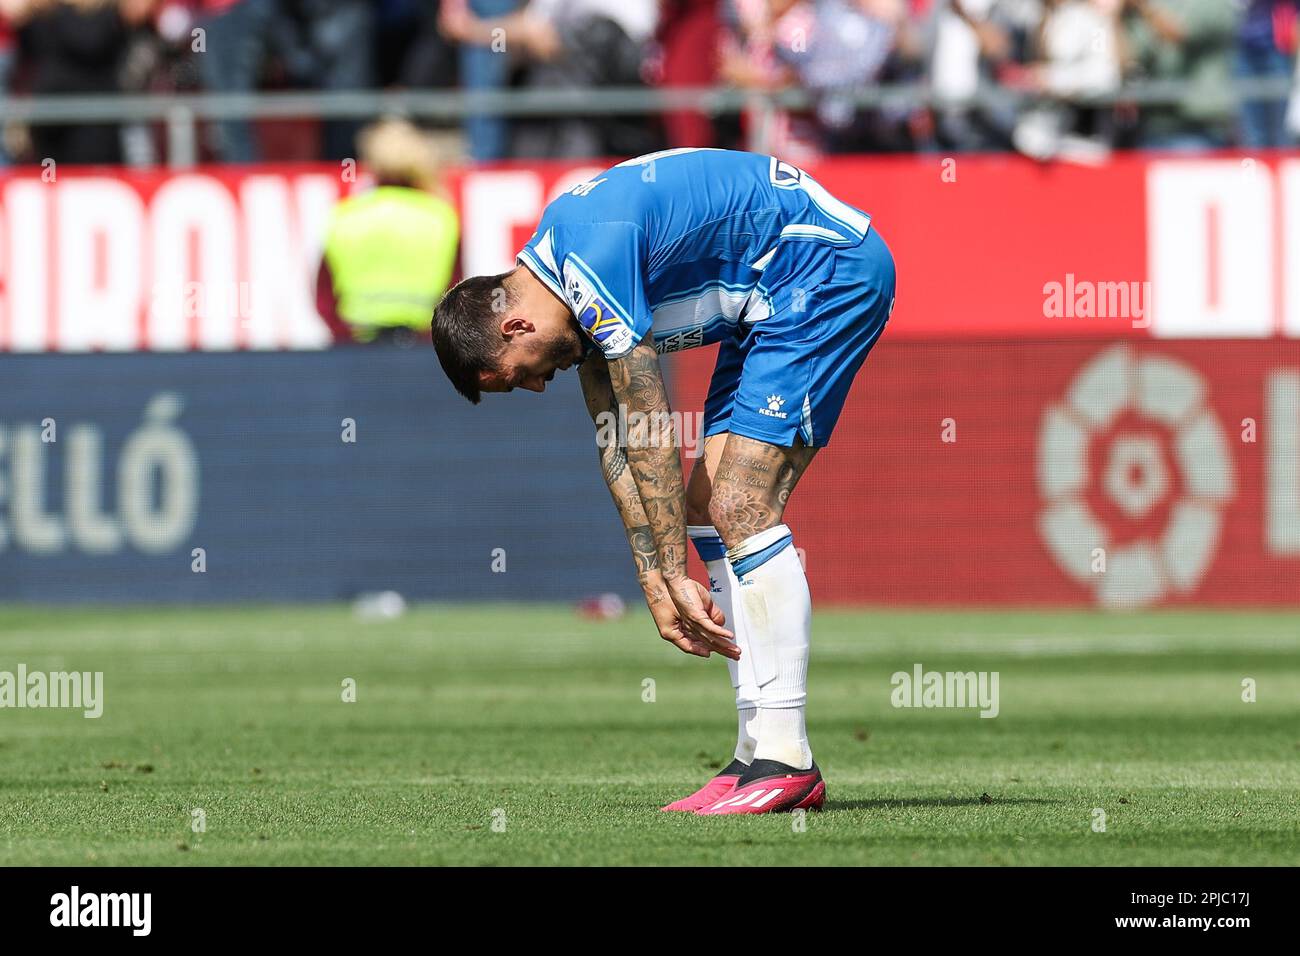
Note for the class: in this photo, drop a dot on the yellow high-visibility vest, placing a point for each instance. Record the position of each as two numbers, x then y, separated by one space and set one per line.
391 252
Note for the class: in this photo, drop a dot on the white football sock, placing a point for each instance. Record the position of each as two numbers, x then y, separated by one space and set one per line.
777 610
722 588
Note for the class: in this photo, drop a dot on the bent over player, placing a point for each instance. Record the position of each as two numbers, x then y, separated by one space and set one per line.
671 251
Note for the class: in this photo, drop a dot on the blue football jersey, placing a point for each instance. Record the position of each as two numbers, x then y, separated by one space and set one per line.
674 244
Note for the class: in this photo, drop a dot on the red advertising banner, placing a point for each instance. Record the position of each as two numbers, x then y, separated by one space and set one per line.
987 247
1116 474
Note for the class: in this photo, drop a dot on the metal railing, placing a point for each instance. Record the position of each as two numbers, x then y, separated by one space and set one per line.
181 113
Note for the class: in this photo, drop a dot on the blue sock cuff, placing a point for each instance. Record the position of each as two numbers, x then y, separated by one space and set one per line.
708 544
749 562
709 549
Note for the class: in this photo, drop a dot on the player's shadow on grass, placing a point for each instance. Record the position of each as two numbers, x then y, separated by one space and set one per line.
885 803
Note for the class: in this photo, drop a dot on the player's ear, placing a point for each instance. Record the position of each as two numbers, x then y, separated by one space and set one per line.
513 325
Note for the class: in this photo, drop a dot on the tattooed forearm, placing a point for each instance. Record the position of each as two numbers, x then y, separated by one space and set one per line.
613 461
638 384
599 396
642 540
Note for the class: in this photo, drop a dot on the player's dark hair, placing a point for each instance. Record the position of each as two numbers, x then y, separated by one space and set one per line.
467 330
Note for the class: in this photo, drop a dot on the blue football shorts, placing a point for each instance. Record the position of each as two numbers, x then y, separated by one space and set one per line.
787 375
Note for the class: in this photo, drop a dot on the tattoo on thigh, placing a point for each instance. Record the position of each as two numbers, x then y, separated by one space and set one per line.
752 464
751 489
785 482
745 513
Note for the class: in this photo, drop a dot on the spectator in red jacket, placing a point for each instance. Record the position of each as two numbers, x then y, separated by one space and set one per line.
689 32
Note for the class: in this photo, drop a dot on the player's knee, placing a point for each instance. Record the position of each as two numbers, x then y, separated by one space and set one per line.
733 517
722 515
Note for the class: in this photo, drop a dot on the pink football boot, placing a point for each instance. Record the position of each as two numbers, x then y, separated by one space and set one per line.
712 791
771 787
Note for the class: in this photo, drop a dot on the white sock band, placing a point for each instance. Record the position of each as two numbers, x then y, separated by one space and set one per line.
777 610
722 588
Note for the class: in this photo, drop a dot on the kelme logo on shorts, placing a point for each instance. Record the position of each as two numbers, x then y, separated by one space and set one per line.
773 408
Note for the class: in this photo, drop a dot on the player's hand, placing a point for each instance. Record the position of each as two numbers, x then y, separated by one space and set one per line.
664 612
700 619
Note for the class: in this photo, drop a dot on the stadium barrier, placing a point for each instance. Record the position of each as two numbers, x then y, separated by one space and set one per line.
181 113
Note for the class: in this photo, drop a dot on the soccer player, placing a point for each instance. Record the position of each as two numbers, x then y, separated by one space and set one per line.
675 250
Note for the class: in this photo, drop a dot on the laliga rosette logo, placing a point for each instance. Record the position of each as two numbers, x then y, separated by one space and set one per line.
1135 474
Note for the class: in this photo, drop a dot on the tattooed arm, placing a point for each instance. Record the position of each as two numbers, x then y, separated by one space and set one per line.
637 386
601 405
594 376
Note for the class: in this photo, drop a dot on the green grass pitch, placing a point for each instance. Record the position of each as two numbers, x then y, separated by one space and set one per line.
530 717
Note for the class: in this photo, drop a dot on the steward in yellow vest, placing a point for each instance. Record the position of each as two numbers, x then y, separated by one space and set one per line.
389 252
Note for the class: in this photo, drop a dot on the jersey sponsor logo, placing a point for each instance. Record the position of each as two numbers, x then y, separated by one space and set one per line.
584 189
606 328
685 339
600 320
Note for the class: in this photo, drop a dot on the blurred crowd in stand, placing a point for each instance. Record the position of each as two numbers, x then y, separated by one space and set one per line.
1040 76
